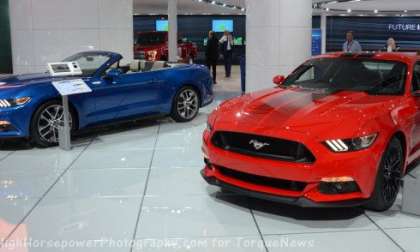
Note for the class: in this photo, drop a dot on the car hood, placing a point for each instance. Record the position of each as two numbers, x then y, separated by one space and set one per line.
28 79
150 47
309 112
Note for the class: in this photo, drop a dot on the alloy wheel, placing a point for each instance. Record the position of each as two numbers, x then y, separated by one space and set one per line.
187 104
392 174
50 119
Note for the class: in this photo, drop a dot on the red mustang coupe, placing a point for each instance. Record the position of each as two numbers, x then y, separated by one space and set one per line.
339 131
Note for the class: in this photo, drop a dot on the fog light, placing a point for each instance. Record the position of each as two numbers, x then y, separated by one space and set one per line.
4 125
337 179
336 187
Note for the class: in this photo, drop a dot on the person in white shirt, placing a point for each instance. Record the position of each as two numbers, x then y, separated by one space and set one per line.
351 45
227 50
391 45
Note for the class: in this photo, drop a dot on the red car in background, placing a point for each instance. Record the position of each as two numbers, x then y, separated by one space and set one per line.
341 130
153 46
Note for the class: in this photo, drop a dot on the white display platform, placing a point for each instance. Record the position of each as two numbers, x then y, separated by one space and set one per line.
411 192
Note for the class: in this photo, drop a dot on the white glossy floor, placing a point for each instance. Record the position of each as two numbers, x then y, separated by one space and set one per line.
141 182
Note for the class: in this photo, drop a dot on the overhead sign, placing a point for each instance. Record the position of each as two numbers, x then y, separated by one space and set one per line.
71 87
404 27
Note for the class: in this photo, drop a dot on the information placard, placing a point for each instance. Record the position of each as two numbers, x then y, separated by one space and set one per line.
71 87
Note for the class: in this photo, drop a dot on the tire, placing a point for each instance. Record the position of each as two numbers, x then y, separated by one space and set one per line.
45 122
388 179
186 105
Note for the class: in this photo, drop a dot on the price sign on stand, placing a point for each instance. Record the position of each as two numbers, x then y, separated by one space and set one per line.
71 87
66 88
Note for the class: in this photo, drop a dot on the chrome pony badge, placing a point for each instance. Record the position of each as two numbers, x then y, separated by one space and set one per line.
257 144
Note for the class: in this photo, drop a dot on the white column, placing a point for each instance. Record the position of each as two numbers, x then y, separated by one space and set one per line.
324 33
278 37
50 30
173 30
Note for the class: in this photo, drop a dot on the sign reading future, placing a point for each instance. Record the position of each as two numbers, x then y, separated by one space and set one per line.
404 27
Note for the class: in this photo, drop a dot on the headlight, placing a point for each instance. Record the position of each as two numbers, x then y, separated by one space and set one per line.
209 127
152 55
8 103
353 144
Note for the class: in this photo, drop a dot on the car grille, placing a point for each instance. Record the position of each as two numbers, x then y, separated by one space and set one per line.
264 181
262 146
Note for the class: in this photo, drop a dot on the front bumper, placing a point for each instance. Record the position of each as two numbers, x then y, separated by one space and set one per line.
18 119
296 201
361 166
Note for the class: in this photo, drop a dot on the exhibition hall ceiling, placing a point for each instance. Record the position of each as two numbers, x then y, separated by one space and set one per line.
198 7
147 7
381 5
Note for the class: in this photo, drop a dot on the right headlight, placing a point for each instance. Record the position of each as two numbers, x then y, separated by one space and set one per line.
209 127
8 103
352 144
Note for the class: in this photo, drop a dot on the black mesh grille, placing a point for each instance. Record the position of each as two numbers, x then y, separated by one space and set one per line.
263 146
264 181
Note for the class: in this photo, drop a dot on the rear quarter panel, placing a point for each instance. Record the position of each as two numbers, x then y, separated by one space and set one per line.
176 78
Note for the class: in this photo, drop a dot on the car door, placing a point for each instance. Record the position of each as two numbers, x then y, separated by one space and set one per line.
139 92
416 88
107 98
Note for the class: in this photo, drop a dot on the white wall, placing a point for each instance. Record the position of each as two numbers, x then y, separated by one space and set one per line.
278 39
49 30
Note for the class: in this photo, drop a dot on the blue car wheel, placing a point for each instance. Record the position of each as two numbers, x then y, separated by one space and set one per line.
186 105
45 123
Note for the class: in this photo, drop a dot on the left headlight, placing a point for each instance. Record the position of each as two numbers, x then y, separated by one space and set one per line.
8 103
209 126
352 144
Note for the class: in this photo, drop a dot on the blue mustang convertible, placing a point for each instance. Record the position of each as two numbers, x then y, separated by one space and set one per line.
30 107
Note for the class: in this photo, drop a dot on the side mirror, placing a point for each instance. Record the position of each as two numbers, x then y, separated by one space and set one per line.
279 79
113 74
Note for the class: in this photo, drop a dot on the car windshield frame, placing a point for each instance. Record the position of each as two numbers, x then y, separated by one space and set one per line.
378 87
91 71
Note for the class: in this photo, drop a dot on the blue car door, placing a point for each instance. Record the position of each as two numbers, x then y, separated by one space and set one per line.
106 100
140 93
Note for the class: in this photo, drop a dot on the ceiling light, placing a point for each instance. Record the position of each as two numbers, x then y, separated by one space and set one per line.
348 10
375 11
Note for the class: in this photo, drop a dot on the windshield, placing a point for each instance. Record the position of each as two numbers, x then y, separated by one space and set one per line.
151 38
89 63
354 74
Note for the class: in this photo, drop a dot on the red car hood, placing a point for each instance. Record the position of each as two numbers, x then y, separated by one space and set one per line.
308 112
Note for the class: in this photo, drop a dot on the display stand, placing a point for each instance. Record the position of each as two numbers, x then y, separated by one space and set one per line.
64 131
66 88
411 202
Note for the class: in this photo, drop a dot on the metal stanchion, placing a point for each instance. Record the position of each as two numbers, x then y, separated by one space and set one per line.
64 131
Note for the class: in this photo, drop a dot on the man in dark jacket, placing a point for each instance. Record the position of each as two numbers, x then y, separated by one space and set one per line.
212 53
227 50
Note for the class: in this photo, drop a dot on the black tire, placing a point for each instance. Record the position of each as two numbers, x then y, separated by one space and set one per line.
388 179
39 120
186 105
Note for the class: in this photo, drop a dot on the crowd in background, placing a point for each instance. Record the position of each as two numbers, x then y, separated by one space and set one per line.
353 46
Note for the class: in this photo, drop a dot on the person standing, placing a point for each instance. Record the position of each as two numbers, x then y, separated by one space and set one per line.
227 50
391 45
351 45
212 54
